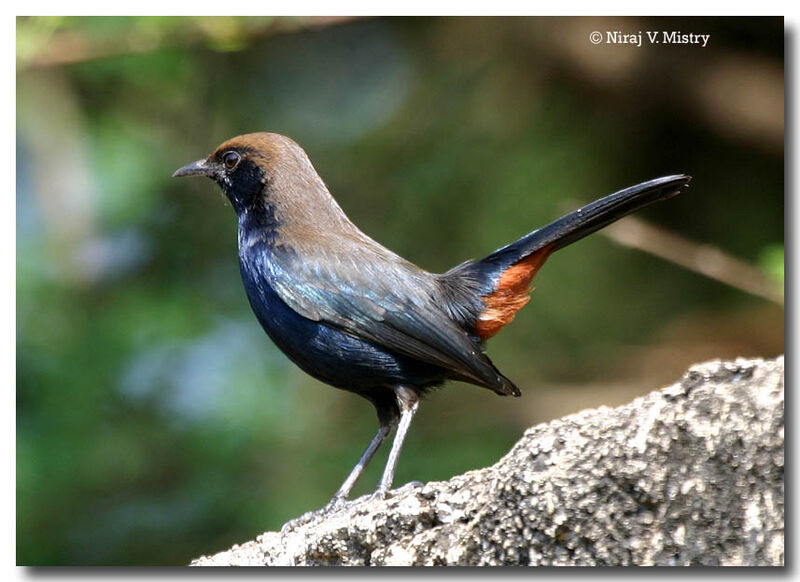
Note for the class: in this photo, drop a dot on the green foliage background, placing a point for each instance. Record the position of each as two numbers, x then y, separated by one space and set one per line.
157 422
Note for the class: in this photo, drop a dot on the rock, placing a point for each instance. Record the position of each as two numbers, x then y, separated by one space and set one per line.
688 475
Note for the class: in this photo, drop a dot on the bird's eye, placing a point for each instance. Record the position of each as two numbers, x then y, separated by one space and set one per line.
230 159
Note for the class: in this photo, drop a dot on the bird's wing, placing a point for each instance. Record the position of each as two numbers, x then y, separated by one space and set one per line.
381 299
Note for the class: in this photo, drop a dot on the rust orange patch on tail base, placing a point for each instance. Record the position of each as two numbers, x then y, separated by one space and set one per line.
510 294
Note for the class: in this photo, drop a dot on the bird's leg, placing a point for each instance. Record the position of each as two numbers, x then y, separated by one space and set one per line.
338 500
408 401
344 491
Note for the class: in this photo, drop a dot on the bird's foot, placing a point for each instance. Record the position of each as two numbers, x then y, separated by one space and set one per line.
300 521
336 504
339 503
382 493
333 506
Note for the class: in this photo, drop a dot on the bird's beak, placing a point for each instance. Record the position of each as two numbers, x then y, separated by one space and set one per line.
198 168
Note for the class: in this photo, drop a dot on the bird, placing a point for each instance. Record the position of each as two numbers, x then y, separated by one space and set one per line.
359 317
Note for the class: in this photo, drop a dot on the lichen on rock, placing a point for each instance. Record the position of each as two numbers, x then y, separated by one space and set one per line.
688 475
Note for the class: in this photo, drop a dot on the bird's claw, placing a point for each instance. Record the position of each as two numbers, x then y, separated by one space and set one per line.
298 521
333 506
380 494
338 504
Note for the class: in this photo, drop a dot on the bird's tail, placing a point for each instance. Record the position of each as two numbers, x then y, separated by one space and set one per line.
502 280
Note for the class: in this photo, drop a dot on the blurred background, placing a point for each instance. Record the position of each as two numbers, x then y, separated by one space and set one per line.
157 422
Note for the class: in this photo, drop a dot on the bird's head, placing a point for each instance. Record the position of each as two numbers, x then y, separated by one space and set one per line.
260 169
